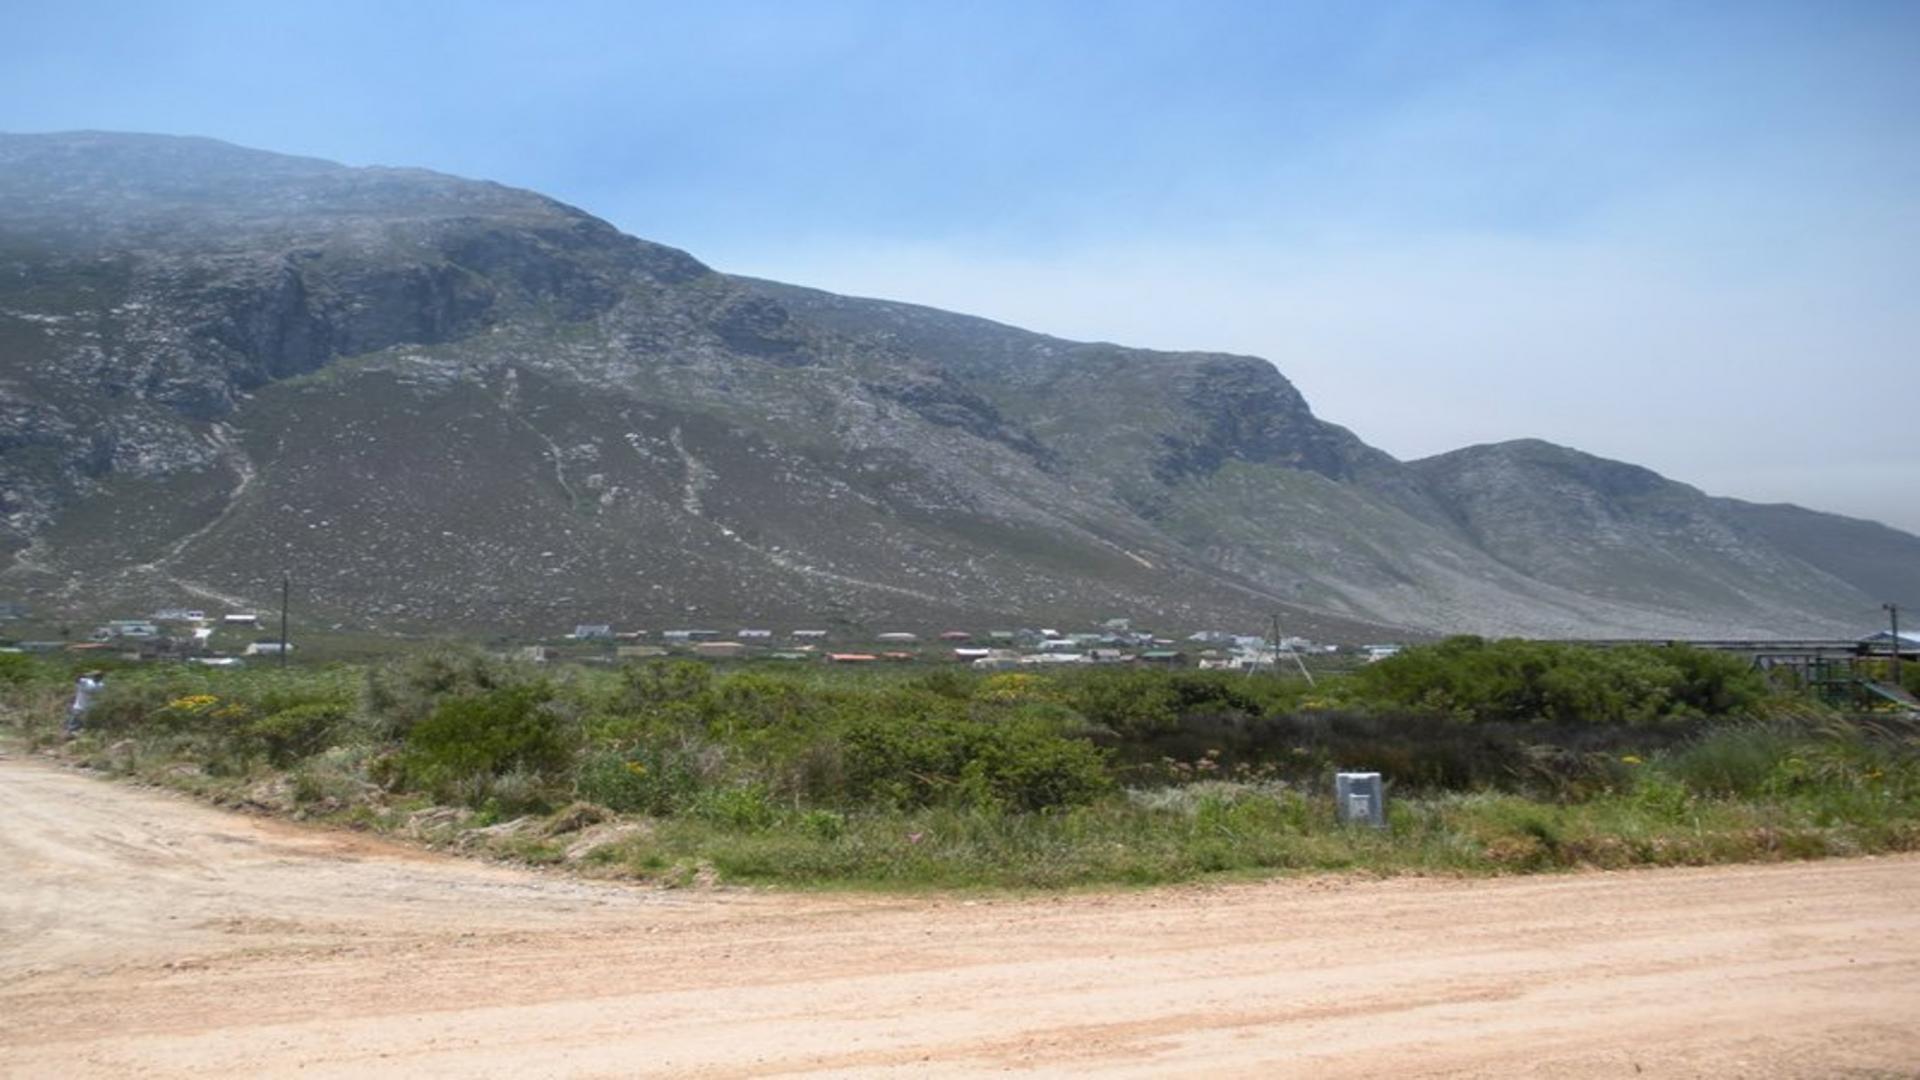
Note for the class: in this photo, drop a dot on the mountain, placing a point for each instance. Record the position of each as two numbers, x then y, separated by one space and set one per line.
448 404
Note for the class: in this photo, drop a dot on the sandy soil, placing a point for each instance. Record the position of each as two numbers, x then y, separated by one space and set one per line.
142 933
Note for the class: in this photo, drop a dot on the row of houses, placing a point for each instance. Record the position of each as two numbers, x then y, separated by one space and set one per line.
156 625
1024 638
606 632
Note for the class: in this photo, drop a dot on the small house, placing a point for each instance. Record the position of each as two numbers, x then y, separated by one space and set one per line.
593 632
755 635
851 658
719 650
1909 641
900 637
240 618
955 635
638 652
808 635
1162 657
267 648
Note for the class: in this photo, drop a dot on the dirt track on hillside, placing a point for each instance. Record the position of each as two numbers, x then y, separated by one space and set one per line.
142 933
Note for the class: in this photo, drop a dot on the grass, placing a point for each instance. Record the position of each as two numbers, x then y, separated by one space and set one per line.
1121 842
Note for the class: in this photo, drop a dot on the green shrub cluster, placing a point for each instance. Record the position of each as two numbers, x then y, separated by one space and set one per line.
462 749
1472 679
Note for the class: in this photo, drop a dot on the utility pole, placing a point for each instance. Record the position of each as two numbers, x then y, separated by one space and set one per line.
1893 615
1297 661
286 585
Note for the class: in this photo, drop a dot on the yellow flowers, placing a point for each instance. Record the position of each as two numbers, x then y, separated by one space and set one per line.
210 706
637 768
1631 759
1012 686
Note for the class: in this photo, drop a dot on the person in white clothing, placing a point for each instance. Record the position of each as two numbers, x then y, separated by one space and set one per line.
88 685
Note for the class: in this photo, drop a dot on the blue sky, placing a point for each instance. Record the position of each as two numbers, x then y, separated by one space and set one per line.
1685 235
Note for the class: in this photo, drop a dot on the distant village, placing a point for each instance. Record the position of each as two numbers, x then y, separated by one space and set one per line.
1116 641
190 634
233 638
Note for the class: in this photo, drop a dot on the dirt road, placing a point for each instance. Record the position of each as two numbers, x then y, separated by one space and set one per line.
141 933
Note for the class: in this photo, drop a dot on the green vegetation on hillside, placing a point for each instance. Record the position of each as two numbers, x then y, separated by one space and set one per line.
1500 756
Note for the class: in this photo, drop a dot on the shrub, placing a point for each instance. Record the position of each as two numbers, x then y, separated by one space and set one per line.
823 824
924 751
1139 703
656 682
1731 761
746 808
18 670
1027 766
468 741
399 695
1515 681
646 778
292 734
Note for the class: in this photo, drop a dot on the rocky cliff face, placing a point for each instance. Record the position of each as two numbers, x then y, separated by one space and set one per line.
451 404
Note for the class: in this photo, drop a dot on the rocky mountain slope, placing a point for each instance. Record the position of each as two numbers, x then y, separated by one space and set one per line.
443 403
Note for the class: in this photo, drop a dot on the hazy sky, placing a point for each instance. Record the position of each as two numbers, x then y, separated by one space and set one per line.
1686 235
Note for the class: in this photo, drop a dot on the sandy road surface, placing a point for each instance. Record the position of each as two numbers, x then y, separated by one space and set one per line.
144 934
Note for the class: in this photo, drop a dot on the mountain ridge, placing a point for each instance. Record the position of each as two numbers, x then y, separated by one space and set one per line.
206 352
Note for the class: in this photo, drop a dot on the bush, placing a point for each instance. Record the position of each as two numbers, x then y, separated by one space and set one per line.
646 778
1731 761
399 695
1137 703
18 670
926 752
468 741
746 808
1475 680
290 735
1025 766
656 682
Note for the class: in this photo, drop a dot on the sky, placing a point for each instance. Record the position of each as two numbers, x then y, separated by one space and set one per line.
1685 235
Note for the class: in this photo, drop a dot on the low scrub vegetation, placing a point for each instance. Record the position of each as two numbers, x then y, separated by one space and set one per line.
1500 756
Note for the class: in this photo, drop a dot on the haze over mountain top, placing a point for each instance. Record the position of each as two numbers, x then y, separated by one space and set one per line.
444 403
